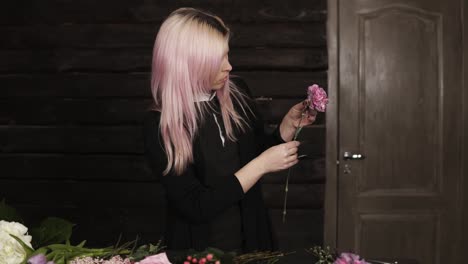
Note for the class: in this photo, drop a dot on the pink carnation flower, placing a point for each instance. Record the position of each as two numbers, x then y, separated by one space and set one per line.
340 261
317 97
349 258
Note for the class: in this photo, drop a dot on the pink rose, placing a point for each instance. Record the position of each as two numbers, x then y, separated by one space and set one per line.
349 258
160 258
317 97
340 261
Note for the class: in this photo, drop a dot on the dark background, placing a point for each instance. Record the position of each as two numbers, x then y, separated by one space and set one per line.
74 85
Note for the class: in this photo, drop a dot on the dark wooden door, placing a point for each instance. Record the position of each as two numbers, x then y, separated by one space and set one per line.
399 105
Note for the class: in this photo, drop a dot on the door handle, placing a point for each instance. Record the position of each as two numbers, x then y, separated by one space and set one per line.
352 156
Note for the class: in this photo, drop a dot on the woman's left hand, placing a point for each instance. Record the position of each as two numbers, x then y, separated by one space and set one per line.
292 119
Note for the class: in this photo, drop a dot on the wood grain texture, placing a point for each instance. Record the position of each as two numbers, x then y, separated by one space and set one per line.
269 83
408 186
465 127
141 11
331 190
112 111
120 168
78 139
75 84
100 139
137 60
136 194
148 225
279 35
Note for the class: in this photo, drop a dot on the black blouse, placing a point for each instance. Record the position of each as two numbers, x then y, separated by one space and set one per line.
220 157
206 204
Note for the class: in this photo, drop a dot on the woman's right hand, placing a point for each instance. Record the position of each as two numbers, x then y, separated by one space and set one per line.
276 158
279 157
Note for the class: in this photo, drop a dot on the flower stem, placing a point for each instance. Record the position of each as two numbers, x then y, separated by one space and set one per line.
286 187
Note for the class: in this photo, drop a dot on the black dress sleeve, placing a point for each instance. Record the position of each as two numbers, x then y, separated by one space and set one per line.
265 139
185 193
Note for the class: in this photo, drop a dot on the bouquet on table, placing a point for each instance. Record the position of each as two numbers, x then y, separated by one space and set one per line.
326 256
49 244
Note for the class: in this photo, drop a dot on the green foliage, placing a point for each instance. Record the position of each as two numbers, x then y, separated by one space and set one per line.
324 255
261 257
64 253
52 238
52 230
146 250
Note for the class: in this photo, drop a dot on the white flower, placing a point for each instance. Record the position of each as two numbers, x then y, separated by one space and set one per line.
11 251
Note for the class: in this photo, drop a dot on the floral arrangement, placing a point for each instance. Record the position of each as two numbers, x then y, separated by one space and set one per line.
217 256
326 256
46 244
49 244
317 100
10 250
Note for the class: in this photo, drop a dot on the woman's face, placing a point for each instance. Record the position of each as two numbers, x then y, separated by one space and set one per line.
223 74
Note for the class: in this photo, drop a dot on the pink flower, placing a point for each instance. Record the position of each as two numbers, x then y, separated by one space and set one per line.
160 258
340 261
218 262
39 259
209 256
349 258
317 97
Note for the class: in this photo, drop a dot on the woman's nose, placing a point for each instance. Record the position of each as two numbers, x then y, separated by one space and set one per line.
228 67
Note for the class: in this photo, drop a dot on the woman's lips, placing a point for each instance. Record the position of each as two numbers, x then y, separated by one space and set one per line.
223 80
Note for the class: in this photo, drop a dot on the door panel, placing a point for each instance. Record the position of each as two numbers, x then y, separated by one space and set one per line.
410 234
400 105
399 98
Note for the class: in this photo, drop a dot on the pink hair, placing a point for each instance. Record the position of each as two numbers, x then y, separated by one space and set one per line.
187 56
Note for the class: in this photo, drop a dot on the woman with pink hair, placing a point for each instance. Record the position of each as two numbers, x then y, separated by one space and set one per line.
204 140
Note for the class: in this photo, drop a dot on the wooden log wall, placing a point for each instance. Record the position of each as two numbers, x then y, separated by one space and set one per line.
74 85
